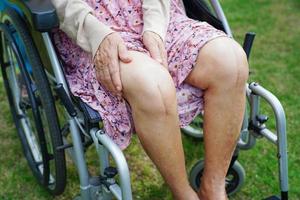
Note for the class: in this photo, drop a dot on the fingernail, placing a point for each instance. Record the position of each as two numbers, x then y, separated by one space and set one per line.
118 88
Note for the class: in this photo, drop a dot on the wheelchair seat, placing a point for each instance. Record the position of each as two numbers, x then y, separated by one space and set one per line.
42 13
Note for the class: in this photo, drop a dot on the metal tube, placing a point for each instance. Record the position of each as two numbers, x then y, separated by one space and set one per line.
115 189
220 14
255 103
70 151
101 150
248 144
104 161
269 135
80 161
77 144
121 163
281 132
59 75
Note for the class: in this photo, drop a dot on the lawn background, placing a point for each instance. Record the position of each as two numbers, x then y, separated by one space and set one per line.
274 62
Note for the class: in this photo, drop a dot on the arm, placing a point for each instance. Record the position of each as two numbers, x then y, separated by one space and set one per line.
156 14
78 22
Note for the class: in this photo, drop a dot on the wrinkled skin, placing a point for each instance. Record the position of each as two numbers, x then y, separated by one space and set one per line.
112 50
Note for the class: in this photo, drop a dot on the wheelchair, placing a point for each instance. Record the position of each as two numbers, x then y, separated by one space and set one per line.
50 122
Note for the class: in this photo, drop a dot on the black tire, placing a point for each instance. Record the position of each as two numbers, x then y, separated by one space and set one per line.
234 180
41 103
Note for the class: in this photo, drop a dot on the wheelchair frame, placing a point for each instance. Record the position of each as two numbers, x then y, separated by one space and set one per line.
105 187
88 185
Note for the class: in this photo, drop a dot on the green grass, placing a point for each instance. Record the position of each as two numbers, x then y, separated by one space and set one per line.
275 64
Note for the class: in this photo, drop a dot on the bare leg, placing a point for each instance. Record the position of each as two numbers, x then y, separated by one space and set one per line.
150 91
222 71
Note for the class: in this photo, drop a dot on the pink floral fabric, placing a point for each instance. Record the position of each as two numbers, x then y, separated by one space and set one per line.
184 39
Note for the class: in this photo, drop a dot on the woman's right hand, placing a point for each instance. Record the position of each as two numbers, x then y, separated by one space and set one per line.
107 66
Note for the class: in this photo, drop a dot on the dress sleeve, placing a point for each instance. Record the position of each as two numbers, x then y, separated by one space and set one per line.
156 14
78 22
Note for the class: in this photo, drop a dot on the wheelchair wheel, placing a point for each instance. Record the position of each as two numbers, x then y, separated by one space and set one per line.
195 129
234 180
31 102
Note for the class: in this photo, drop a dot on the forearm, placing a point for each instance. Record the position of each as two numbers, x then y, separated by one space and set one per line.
78 22
156 14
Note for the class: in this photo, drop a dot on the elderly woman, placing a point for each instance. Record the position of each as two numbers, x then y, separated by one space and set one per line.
148 68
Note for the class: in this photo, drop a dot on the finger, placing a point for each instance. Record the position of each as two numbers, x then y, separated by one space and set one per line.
124 54
101 78
98 70
114 71
155 52
106 80
163 54
101 75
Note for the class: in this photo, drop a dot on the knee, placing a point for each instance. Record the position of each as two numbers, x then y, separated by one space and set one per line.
154 94
150 89
230 65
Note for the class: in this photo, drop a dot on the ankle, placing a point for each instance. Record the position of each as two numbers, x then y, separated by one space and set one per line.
212 195
212 191
185 194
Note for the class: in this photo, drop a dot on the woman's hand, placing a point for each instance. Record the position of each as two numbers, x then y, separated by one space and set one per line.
155 45
107 65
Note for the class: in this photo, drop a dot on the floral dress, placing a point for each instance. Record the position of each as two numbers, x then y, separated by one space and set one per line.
183 41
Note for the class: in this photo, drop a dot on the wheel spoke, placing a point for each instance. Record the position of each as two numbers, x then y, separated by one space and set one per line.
13 78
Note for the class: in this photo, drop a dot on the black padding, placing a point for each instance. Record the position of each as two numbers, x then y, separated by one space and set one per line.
65 99
43 14
198 10
90 115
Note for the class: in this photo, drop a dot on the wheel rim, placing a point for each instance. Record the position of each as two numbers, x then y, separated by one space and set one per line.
25 115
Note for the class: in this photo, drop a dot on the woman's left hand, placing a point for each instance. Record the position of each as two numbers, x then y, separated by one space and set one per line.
155 45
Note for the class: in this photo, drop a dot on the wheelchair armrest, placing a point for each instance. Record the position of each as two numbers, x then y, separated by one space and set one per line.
199 10
42 13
